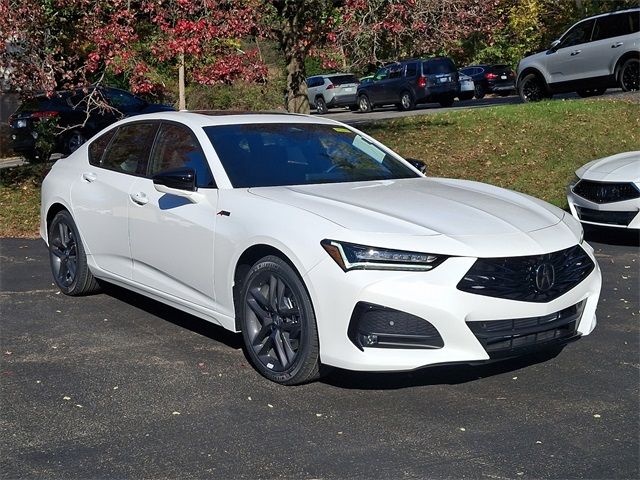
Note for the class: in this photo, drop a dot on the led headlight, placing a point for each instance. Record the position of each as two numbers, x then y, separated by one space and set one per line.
350 256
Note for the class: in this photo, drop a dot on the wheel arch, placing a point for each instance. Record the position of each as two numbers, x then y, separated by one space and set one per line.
55 208
623 58
244 263
536 72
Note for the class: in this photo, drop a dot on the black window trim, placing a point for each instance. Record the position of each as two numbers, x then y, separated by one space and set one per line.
593 26
195 137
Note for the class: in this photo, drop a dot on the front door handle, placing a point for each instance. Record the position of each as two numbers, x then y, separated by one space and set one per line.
617 44
576 52
89 177
139 198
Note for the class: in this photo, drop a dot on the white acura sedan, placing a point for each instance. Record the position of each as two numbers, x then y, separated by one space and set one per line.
606 191
318 243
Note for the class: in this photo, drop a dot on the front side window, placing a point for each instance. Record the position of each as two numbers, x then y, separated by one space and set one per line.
129 150
581 33
381 74
259 155
177 147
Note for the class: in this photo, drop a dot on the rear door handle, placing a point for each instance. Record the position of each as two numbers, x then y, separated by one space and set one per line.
617 44
576 52
89 177
139 198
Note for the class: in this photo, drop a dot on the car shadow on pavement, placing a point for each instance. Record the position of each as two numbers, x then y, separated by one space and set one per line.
436 375
612 236
175 316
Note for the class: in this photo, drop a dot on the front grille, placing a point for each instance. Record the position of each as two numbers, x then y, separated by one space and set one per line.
534 278
381 327
600 216
502 338
605 192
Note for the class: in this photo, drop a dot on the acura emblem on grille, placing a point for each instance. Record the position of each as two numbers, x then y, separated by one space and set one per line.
545 277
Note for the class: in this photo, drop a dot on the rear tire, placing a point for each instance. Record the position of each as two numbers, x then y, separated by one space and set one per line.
74 140
446 102
321 106
479 92
68 259
406 101
278 323
364 105
629 77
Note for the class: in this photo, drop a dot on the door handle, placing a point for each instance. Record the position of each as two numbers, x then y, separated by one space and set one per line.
576 52
617 44
139 198
89 177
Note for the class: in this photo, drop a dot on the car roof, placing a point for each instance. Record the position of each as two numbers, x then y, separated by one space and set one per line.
210 118
613 12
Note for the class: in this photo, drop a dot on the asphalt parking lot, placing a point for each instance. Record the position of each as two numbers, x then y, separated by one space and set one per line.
118 386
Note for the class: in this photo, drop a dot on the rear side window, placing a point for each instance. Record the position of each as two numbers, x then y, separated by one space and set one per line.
395 73
438 65
129 150
314 82
177 147
343 79
412 70
98 147
615 25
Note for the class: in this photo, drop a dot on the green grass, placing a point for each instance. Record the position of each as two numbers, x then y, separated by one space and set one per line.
532 148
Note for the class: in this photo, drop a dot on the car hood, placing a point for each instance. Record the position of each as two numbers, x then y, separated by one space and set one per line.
420 206
623 167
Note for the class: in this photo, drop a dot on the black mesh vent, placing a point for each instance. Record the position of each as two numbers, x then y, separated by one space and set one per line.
535 278
514 337
601 216
605 192
377 326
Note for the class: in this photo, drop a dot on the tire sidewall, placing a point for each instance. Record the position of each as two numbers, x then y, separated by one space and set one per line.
60 217
625 65
308 354
364 99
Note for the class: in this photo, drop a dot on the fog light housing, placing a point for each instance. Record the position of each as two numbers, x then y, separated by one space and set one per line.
375 326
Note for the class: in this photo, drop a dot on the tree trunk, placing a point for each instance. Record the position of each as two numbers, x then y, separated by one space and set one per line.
182 103
297 101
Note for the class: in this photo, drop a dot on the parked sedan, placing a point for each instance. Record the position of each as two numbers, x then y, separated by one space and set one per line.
69 109
318 243
498 79
606 192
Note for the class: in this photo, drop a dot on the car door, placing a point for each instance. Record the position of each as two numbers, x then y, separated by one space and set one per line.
568 61
377 88
101 199
610 34
171 237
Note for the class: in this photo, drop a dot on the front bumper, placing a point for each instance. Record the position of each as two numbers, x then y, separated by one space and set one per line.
431 296
624 214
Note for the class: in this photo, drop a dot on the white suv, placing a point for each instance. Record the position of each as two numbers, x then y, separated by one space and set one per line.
596 53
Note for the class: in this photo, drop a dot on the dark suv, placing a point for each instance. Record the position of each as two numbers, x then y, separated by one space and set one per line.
68 108
410 82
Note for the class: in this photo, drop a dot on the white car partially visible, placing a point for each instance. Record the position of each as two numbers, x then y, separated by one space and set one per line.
318 243
606 191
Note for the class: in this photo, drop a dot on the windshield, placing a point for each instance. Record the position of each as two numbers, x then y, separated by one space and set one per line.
273 154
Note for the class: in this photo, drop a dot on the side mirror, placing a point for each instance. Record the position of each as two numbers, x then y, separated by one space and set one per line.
180 182
418 164
554 45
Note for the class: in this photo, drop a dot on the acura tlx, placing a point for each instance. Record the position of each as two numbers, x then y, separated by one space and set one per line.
318 243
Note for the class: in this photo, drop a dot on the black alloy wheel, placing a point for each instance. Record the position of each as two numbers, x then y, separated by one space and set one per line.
630 75
406 101
479 92
447 101
74 140
278 323
321 106
67 257
532 89
364 104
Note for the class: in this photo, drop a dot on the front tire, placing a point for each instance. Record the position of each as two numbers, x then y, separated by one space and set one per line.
630 75
364 104
532 89
321 106
278 323
68 259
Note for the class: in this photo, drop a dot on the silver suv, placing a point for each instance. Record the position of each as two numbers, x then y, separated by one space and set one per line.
334 90
596 53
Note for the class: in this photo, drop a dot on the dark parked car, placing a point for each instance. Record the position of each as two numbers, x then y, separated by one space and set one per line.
499 79
69 110
410 82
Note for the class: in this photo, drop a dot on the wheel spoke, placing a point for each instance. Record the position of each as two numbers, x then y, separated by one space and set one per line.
262 334
272 293
289 311
63 272
288 349
261 313
62 234
56 251
259 298
266 347
280 350
279 296
71 266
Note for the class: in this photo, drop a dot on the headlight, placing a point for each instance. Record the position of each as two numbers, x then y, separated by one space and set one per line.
350 256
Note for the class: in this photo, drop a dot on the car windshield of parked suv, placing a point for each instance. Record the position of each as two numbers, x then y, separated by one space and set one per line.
343 79
260 155
438 65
